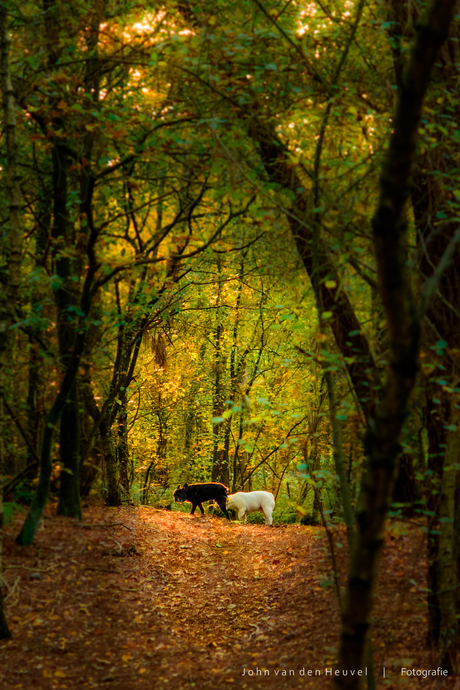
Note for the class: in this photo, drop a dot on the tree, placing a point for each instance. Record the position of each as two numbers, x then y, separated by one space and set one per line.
434 203
389 227
12 257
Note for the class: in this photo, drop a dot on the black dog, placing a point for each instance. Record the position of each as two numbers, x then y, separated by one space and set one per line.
197 493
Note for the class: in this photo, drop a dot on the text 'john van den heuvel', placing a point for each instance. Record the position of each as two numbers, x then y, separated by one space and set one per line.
301 672
329 671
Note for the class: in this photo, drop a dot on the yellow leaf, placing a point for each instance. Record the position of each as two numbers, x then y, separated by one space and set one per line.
126 657
330 284
59 674
142 670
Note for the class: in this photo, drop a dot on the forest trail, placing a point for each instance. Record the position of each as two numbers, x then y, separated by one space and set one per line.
141 598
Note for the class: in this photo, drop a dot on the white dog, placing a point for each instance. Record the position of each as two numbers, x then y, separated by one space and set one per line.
252 502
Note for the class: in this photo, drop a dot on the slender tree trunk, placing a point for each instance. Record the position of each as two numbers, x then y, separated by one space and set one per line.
123 449
67 268
69 443
107 449
446 563
4 629
69 437
110 459
162 452
238 470
145 488
35 406
339 460
190 413
219 471
13 258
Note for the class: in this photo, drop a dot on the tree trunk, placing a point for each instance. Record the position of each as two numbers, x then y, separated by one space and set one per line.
123 449
35 406
113 497
431 202
13 259
446 564
145 488
66 299
69 267
339 460
106 446
219 471
69 443
406 488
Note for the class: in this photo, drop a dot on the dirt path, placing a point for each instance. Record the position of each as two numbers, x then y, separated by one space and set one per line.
132 599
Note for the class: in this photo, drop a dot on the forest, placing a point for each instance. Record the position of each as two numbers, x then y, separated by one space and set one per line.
229 252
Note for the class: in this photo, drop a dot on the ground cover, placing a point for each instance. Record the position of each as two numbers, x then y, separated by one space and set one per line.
141 598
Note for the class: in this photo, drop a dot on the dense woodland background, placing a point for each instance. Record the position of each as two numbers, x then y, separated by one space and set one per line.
203 278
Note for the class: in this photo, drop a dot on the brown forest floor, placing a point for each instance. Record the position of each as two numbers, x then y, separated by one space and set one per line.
141 598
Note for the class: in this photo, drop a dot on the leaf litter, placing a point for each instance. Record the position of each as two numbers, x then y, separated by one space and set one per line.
144 598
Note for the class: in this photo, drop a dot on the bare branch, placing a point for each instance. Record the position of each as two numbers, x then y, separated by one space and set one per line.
431 285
